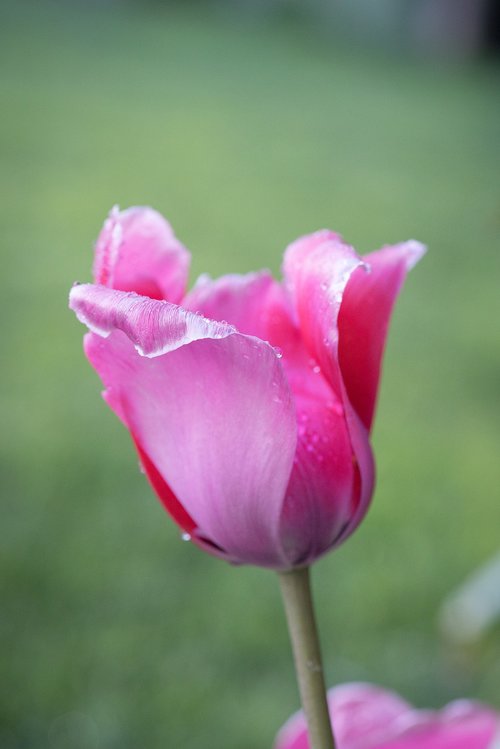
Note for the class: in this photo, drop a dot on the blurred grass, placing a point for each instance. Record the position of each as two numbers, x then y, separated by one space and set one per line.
114 633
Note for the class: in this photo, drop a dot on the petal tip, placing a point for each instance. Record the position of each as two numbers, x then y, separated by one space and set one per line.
414 251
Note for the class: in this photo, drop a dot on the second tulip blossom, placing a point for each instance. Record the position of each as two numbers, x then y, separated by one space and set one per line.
365 716
250 401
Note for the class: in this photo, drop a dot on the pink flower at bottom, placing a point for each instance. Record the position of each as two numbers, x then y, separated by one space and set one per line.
250 400
368 717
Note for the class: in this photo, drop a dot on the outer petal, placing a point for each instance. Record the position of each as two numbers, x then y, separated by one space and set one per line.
138 251
153 327
364 319
209 407
320 499
367 717
317 270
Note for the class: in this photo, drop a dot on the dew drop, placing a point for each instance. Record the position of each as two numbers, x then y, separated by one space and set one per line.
278 352
186 536
316 369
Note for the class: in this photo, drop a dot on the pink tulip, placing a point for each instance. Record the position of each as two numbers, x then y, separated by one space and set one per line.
368 717
249 401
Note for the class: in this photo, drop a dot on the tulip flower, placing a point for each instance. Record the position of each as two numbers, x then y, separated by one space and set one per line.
368 717
250 401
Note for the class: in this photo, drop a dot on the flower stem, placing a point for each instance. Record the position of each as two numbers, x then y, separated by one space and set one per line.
297 599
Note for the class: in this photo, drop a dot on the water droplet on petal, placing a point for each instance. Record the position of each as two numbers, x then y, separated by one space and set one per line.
316 369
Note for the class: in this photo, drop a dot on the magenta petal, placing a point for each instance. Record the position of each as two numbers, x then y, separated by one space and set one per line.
210 407
368 717
364 320
319 501
138 251
317 269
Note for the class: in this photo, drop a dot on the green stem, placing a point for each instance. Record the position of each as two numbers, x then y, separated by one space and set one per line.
296 592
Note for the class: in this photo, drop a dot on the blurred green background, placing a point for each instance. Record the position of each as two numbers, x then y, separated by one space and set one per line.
245 132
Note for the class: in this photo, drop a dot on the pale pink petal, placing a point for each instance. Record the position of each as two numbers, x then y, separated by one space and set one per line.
321 498
210 408
364 319
167 497
368 717
138 251
153 327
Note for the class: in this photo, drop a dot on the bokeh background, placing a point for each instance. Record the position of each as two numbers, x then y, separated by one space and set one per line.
246 124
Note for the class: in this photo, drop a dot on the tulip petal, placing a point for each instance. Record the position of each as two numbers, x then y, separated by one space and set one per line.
364 319
138 251
317 269
210 408
154 327
368 717
241 300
